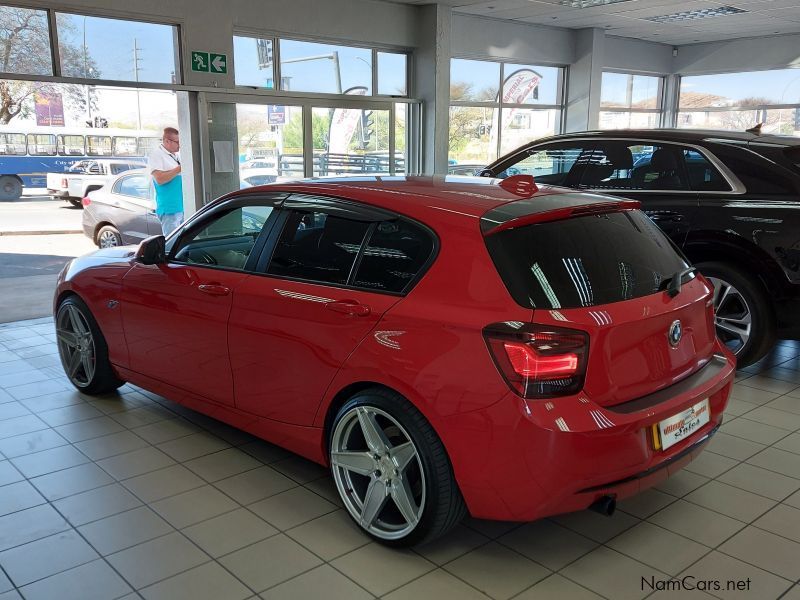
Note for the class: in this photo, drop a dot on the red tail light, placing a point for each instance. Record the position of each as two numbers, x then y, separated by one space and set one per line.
539 361
64 183
86 201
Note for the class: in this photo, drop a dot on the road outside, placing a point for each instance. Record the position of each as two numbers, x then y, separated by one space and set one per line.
29 264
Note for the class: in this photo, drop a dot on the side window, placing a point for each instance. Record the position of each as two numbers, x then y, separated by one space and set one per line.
757 175
318 247
134 185
225 242
395 253
656 167
703 176
557 164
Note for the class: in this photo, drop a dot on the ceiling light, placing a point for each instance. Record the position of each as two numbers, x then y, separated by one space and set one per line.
700 13
590 3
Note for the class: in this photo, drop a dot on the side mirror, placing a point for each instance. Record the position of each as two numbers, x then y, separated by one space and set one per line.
151 251
486 173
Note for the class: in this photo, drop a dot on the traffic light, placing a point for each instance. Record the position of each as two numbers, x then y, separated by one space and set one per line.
264 48
367 130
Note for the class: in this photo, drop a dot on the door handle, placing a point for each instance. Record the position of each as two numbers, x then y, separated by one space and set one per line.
665 216
214 289
349 307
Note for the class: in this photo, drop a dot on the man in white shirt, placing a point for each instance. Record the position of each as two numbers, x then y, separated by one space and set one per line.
164 164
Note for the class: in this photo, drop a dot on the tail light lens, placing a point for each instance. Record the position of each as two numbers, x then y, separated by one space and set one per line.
538 361
64 182
86 201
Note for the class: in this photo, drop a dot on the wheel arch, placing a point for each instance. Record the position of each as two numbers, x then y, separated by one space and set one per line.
99 226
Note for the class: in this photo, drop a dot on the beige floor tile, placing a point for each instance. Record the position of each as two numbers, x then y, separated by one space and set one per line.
646 503
769 384
754 431
761 481
752 395
21 425
53 401
330 536
782 520
733 447
144 415
437 584
125 530
5 583
658 547
776 418
47 556
88 429
292 507
8 473
35 441
710 465
48 461
793 500
611 574
790 443
457 542
188 508
780 461
559 587
547 543
138 462
166 430
269 562
379 569
596 526
96 504
681 483
731 501
729 573
229 532
40 388
325 487
321 582
111 445
497 571
299 469
254 485
29 525
738 407
19 496
163 483
92 581
788 403
264 451
157 559
9 410
792 594
193 445
766 550
696 523
222 464
490 529
69 414
206 582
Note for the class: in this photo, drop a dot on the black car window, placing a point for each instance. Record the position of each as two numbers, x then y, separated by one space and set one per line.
704 176
317 246
756 174
626 165
395 253
226 241
137 186
554 164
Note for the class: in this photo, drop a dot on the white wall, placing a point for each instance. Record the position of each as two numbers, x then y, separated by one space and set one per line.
751 54
628 54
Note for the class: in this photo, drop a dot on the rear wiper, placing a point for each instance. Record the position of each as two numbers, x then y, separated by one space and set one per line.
674 282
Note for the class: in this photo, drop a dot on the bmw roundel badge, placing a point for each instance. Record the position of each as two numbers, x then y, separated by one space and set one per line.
675 333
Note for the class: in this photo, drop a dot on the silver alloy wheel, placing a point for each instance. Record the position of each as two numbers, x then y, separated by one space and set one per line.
378 472
732 315
75 345
108 239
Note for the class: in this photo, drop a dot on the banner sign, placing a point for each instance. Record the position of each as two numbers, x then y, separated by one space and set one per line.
49 109
343 124
276 115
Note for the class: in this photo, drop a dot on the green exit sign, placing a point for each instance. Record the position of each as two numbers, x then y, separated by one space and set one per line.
209 62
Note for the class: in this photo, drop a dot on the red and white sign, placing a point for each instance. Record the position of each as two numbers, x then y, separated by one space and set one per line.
343 124
684 424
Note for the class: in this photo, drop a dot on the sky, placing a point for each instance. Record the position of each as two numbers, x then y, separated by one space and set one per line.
484 74
780 86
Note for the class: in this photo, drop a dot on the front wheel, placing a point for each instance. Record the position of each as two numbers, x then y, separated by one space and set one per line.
108 237
742 311
392 471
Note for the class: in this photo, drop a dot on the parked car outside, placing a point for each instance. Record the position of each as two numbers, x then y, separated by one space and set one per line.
446 345
465 169
87 175
728 200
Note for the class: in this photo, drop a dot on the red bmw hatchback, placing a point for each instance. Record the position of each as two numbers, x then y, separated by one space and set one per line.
446 345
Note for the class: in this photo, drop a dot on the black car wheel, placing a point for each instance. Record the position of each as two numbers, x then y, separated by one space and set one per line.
76 202
108 237
392 471
744 318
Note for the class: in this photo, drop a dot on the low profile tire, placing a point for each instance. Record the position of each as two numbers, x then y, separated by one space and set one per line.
392 471
108 237
743 312
10 188
76 202
83 349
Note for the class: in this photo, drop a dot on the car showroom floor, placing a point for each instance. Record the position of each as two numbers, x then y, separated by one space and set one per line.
101 497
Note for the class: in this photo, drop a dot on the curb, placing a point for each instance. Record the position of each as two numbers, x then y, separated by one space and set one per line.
51 232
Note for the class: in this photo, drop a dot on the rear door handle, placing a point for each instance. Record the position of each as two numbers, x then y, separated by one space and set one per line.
349 307
214 289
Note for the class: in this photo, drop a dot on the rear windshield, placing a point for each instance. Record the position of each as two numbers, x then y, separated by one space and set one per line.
584 261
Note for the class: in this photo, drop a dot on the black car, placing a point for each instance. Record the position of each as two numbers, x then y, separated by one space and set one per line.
729 200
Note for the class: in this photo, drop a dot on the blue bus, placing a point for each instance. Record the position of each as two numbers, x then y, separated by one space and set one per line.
29 153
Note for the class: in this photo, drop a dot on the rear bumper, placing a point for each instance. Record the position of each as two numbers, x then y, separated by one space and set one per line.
64 194
523 460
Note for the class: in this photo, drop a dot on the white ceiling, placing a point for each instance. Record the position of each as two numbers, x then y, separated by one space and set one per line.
627 19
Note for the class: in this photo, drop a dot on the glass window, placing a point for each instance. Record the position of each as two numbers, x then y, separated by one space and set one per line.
474 80
315 246
528 84
703 175
395 253
71 145
584 261
471 137
626 90
145 145
555 164
758 175
137 186
521 125
12 144
102 48
623 165
354 141
124 146
40 144
117 168
25 41
98 145
270 135
392 74
253 61
325 68
227 241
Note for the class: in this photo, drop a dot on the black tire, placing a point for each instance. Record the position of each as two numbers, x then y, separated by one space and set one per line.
108 237
757 301
10 188
98 377
443 507
76 202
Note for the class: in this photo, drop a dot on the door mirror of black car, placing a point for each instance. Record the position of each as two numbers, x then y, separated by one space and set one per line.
486 173
151 251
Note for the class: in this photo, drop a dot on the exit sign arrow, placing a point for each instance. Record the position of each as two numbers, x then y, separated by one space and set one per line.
219 63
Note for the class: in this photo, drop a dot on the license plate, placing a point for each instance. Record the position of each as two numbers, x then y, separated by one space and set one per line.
679 427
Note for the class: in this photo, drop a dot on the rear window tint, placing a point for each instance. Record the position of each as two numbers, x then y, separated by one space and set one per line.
584 261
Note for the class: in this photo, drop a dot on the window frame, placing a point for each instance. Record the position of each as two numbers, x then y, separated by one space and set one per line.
115 189
36 144
661 96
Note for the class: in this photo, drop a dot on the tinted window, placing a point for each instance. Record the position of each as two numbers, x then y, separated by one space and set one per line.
137 186
227 241
703 176
558 164
757 175
584 261
636 166
117 168
395 253
318 247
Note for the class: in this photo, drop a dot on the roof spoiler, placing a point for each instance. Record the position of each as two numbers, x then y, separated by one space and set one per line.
523 186
564 212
